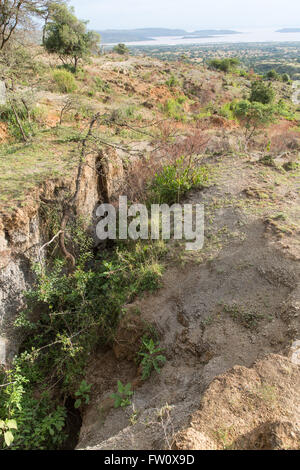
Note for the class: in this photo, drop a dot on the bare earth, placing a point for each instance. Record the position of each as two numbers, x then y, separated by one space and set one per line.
218 313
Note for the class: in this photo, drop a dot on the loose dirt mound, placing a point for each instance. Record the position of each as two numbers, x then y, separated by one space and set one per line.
255 408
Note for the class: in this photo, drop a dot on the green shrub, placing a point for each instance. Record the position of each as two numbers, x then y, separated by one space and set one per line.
173 108
121 49
273 75
150 357
262 93
78 309
253 115
175 180
83 394
225 65
6 431
29 124
285 109
285 77
65 81
172 82
227 110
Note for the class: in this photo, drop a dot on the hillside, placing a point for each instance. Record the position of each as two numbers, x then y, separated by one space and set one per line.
223 320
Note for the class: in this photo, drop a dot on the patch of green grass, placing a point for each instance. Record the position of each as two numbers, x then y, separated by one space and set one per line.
52 153
173 108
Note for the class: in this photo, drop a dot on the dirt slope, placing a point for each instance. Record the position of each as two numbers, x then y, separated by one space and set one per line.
231 305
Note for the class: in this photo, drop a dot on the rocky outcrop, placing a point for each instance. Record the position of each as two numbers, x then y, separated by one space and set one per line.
2 93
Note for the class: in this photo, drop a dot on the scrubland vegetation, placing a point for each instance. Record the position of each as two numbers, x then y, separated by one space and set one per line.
64 102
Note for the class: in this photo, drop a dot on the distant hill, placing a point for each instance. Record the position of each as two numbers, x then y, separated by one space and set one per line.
288 30
148 34
141 34
213 32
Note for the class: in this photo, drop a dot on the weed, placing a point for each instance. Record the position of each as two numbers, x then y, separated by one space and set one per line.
249 319
172 82
290 166
83 394
122 398
101 85
223 436
267 160
6 428
173 108
151 357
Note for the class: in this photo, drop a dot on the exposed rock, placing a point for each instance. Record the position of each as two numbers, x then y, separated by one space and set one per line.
21 236
2 93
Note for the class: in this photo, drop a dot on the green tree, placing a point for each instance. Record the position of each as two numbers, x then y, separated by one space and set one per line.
14 13
272 75
47 11
262 92
68 37
225 65
286 78
253 116
121 49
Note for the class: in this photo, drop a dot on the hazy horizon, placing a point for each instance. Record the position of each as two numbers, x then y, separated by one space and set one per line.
219 14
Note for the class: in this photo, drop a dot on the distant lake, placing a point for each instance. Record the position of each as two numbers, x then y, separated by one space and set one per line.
244 35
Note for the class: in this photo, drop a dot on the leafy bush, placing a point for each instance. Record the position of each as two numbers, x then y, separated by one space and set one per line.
83 394
65 81
285 77
262 93
175 180
6 428
225 65
16 114
272 75
78 310
253 115
227 110
285 109
121 49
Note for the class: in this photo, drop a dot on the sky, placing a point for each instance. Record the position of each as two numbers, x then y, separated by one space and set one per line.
188 14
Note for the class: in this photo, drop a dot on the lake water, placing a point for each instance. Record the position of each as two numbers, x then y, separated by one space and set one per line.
247 35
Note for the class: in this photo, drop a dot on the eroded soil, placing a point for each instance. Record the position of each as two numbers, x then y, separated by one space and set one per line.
228 306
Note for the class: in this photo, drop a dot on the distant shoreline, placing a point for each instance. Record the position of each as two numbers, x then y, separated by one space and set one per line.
111 36
288 30
177 37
